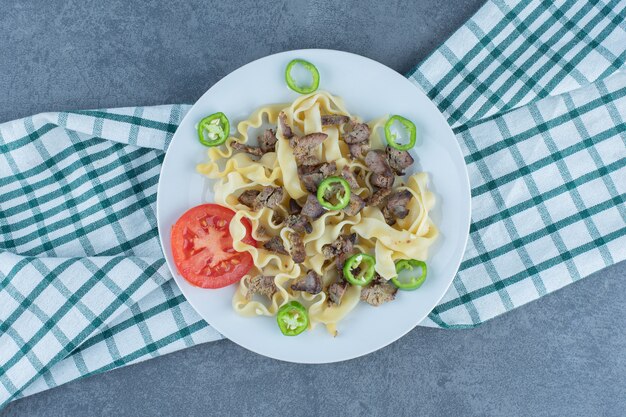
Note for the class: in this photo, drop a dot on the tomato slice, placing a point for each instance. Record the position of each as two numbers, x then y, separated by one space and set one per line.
203 247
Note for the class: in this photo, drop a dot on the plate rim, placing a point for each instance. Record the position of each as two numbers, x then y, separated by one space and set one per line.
466 218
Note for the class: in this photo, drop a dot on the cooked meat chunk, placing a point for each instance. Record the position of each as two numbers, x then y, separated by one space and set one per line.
284 127
341 260
275 244
277 218
398 160
378 196
336 290
343 244
242 147
382 176
294 207
267 142
382 180
349 176
389 218
311 283
303 146
355 205
379 292
308 160
262 284
334 119
299 223
312 208
298 254
311 179
356 133
270 197
376 161
312 175
248 198
328 168
397 202
308 141
359 150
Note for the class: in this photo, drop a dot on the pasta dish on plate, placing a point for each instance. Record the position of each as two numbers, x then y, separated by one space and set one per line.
311 217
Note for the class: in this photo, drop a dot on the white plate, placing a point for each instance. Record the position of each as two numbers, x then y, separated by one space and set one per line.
370 90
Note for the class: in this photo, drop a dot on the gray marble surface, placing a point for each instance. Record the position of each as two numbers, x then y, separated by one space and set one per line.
563 355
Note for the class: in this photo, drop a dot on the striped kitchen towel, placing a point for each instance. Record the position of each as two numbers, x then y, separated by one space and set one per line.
535 93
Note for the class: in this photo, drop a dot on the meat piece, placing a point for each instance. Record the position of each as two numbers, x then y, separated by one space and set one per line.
277 218
336 290
397 202
299 223
349 176
389 218
308 160
341 260
359 150
312 175
356 133
334 119
382 180
298 254
242 147
398 160
382 176
275 244
309 141
376 161
312 208
263 285
311 283
312 181
294 207
303 146
269 197
343 244
284 127
355 205
328 168
267 142
248 198
378 293
378 196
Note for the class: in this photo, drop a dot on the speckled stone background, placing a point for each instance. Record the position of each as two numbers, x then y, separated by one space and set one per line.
564 355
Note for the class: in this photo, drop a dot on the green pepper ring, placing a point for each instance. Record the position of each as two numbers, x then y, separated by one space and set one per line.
309 67
222 131
410 127
325 185
357 259
285 311
415 282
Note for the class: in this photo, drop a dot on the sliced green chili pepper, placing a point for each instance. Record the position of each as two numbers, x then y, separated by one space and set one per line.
217 127
391 138
309 67
328 185
415 281
292 318
364 276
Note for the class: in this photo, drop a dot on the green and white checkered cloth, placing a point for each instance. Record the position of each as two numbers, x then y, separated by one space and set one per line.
533 91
